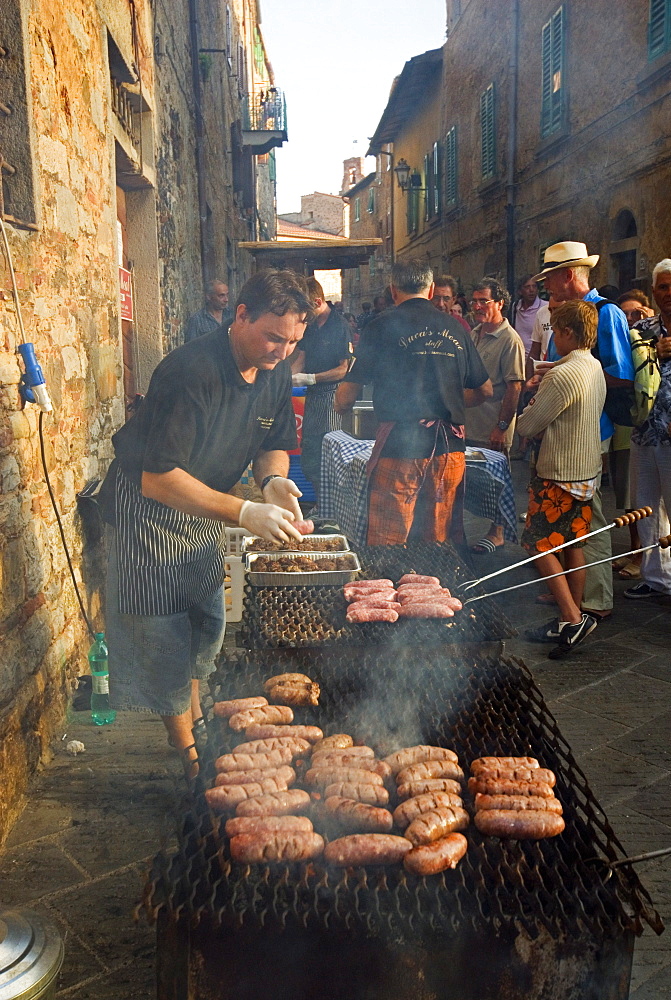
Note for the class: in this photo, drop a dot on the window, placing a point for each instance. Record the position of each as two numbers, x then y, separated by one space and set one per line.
428 181
357 209
451 167
412 204
17 197
488 133
552 86
229 36
371 200
434 192
659 28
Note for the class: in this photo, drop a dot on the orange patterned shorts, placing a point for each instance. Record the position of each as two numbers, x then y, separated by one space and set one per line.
554 516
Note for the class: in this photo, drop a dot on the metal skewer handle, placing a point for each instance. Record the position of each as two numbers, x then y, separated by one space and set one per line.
619 522
663 543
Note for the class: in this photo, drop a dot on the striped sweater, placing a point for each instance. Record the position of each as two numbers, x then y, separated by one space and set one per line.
567 407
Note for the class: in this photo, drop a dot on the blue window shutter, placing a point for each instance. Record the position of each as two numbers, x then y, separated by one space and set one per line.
451 166
659 28
552 85
488 152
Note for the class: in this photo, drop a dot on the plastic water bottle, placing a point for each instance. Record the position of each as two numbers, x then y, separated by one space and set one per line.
101 713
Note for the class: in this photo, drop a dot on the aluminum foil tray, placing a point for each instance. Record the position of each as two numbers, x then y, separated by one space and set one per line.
332 576
343 546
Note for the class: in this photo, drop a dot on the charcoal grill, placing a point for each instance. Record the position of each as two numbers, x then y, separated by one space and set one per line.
514 920
296 617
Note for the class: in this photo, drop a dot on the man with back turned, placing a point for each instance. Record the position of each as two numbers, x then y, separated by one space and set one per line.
424 371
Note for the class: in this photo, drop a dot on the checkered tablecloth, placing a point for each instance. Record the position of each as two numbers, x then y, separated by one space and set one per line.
344 488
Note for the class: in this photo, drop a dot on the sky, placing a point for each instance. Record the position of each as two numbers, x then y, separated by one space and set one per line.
336 60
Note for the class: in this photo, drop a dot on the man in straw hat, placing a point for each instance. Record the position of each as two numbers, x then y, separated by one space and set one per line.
566 273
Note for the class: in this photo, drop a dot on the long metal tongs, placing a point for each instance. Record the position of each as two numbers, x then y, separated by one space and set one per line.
619 522
611 865
663 543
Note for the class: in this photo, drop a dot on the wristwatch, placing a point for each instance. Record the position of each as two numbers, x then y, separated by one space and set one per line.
503 425
267 479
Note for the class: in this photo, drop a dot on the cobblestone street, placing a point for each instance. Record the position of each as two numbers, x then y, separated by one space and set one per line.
80 850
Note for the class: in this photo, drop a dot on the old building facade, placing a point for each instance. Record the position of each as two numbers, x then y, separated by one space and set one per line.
132 162
546 127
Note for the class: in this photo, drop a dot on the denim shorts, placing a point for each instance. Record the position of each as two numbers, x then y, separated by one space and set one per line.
154 658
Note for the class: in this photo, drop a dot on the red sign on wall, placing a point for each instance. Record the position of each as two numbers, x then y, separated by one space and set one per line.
125 294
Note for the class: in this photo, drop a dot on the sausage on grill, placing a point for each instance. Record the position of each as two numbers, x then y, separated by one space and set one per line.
433 825
430 769
295 694
517 802
284 774
280 845
414 755
333 756
258 731
225 709
297 746
357 815
275 803
373 795
418 578
412 788
229 796
383 603
410 809
286 679
267 824
367 585
339 741
482 763
321 763
358 613
517 774
437 598
525 824
323 776
366 849
253 761
506 786
426 610
270 714
429 859
354 596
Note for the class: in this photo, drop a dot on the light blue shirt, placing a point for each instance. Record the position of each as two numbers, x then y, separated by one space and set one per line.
614 349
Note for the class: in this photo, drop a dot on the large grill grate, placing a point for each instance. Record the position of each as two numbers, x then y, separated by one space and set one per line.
293 617
477 706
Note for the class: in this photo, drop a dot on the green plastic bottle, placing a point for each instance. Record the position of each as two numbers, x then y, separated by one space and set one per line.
101 713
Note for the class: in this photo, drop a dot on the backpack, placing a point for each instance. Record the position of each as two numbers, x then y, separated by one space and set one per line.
647 375
620 400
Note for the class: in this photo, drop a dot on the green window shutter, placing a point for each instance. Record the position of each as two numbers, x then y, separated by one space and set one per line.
357 209
428 184
488 134
451 167
371 200
437 179
659 28
552 85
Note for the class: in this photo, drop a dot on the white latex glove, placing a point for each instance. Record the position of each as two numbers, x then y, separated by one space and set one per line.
303 378
269 521
284 493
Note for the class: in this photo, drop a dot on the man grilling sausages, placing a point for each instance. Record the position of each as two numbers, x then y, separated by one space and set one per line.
213 405
424 370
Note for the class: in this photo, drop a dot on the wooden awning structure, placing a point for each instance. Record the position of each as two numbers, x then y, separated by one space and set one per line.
307 256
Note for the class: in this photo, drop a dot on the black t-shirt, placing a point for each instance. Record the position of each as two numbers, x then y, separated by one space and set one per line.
200 415
326 346
419 361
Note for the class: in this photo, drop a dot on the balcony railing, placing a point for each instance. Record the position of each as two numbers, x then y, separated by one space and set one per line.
264 120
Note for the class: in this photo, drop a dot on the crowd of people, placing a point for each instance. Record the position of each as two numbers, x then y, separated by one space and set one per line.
581 376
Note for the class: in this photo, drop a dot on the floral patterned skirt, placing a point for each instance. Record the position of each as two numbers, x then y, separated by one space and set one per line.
554 516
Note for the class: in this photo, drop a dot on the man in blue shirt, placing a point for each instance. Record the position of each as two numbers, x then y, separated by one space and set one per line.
566 273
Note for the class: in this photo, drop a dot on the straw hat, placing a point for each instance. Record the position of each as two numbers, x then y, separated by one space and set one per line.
566 255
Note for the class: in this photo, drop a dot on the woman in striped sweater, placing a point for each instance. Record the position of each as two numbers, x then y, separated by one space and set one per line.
566 411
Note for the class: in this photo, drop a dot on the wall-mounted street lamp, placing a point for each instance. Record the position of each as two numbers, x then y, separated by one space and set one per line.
408 179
